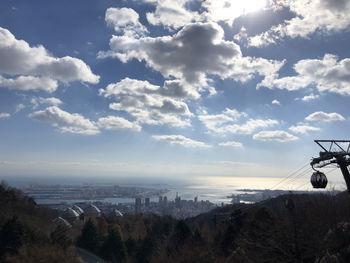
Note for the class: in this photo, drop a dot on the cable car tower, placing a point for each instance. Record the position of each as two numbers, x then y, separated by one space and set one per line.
334 152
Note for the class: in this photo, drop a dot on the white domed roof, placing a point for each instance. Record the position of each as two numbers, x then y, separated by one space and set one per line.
92 211
117 213
69 213
77 209
59 221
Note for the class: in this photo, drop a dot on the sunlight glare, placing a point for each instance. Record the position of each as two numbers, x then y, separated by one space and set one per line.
229 10
248 6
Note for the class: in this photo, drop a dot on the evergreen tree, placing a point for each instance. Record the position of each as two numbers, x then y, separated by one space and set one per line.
89 238
181 233
11 237
113 248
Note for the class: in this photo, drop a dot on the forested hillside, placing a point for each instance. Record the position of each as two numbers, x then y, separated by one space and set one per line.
291 228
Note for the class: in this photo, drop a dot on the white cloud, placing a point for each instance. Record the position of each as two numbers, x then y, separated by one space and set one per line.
303 129
231 144
212 122
328 75
117 123
125 20
172 14
40 100
231 163
310 16
241 35
324 117
150 104
33 68
309 97
225 122
249 127
29 83
65 121
191 55
51 101
4 115
235 114
278 136
276 102
19 107
228 10
181 140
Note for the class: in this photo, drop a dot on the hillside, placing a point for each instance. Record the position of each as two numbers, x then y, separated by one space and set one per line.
26 231
314 228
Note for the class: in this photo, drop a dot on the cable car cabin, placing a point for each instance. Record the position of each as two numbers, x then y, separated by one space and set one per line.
319 180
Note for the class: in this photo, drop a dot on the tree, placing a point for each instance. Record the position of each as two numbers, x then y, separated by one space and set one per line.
102 226
89 238
59 236
11 237
113 248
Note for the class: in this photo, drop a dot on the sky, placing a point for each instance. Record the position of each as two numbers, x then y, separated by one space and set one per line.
171 89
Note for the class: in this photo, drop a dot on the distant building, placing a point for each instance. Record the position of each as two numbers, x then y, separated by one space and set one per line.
60 222
196 199
160 199
137 205
177 201
78 209
235 199
147 201
165 201
117 213
92 212
70 215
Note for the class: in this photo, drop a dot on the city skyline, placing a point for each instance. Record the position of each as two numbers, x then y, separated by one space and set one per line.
171 89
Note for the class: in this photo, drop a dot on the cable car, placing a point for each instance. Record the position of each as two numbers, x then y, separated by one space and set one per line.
319 180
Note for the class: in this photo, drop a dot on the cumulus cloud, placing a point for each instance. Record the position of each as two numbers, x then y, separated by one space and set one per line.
117 123
310 16
33 68
228 10
231 144
125 20
321 116
181 140
172 14
278 136
212 122
276 102
4 115
29 83
19 107
36 101
65 121
225 122
191 55
150 104
309 97
248 127
327 74
303 129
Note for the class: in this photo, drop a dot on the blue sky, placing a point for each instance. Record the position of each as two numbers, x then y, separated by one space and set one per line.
170 89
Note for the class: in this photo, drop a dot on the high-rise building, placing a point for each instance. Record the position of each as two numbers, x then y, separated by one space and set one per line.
177 201
137 205
196 199
165 200
160 199
147 202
